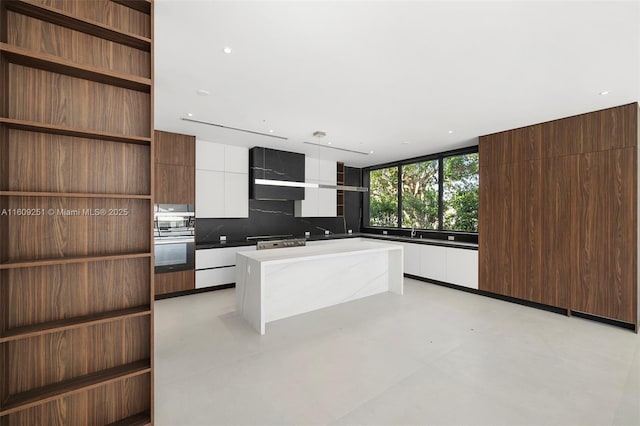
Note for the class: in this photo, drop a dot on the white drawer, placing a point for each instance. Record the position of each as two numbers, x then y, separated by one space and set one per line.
216 257
217 276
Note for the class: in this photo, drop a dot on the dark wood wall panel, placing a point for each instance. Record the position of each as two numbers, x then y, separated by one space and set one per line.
105 12
54 163
51 358
52 98
56 234
593 198
502 202
44 37
125 398
623 234
30 296
171 282
174 148
557 231
175 184
558 213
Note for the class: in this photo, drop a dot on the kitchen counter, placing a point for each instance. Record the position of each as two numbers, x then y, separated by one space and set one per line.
426 241
280 283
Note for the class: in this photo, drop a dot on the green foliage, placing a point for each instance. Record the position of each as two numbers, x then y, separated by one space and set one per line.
460 193
383 197
420 195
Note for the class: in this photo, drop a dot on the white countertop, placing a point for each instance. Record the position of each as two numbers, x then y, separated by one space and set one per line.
283 255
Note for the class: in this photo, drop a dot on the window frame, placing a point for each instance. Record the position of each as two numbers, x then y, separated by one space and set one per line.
439 233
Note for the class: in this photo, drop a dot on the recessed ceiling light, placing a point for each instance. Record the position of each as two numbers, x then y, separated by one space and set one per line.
202 92
605 92
328 143
190 115
227 50
270 130
450 131
370 152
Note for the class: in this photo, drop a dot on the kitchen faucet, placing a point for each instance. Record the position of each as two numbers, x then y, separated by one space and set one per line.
413 232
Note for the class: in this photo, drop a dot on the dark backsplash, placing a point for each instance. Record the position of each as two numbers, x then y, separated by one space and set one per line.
277 218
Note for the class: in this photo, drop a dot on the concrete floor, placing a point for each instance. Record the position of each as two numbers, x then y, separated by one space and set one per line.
432 356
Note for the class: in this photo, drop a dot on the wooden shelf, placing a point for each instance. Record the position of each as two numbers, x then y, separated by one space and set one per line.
140 419
59 17
70 323
143 6
73 195
67 260
54 391
33 126
20 56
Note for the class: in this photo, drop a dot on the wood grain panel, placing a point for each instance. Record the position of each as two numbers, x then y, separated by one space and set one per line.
486 237
593 198
44 37
71 102
43 162
529 286
125 398
32 296
530 141
502 209
174 148
106 12
175 184
622 290
65 229
39 361
501 148
557 231
171 282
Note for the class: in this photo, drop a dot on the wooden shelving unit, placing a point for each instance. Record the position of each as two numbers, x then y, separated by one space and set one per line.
340 193
76 209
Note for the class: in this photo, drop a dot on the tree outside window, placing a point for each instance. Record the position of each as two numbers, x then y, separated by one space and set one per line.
383 197
460 193
420 195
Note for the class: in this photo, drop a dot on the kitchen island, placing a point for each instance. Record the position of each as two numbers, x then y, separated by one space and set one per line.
279 283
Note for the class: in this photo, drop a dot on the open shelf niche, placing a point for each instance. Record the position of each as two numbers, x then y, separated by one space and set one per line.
76 208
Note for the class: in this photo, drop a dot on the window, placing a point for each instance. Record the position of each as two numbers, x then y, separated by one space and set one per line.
383 197
420 195
460 193
438 192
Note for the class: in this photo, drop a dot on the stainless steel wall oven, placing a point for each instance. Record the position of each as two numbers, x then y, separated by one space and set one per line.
174 237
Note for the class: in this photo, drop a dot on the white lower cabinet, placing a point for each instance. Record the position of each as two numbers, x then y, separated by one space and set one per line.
462 267
411 253
217 266
432 262
217 276
447 264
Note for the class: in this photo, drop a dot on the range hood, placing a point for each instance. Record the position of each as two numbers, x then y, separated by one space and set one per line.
268 167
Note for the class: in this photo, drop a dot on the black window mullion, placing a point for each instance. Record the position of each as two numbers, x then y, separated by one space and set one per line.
399 224
440 193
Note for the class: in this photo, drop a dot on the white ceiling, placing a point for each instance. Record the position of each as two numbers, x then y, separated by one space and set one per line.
375 75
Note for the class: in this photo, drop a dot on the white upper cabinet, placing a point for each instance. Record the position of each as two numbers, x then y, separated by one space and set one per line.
222 180
318 202
236 159
209 156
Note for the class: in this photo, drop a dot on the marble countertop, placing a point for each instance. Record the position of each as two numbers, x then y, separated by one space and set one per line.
426 241
296 254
